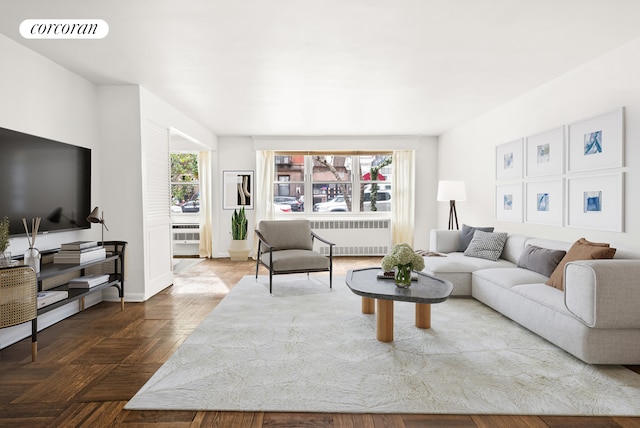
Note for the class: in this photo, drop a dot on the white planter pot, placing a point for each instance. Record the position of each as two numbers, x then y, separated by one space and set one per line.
239 250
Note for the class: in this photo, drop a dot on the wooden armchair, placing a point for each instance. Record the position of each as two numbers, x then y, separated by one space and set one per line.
19 301
287 247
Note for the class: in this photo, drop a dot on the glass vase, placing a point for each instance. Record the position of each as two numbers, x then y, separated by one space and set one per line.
5 258
32 258
403 275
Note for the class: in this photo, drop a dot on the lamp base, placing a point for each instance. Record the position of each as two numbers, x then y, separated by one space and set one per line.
453 215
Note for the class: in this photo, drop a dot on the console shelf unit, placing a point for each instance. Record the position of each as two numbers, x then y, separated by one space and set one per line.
115 259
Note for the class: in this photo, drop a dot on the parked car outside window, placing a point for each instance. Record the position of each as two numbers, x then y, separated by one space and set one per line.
292 201
191 207
336 204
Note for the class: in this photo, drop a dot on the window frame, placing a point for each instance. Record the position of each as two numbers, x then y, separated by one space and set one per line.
195 183
356 182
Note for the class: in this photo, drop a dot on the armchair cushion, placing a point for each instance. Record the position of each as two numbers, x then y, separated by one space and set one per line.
290 235
291 260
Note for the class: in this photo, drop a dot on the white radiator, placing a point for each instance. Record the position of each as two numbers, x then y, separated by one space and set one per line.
186 239
354 237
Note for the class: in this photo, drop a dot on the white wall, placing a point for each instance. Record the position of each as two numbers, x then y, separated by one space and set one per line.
41 98
600 86
239 153
124 111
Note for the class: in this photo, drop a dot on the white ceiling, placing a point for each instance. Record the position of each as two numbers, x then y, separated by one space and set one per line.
332 67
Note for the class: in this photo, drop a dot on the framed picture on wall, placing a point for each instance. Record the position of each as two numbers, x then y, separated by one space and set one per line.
597 143
509 202
509 160
237 189
544 153
596 202
544 202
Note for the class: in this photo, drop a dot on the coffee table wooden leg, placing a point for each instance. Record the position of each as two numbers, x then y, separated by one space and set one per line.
368 305
423 315
384 320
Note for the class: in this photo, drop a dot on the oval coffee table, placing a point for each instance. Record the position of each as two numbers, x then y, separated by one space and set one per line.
425 291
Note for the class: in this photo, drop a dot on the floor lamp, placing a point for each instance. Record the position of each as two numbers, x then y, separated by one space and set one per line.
452 191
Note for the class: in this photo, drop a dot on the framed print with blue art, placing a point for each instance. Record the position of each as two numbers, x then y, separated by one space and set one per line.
597 143
509 160
509 202
596 202
545 153
544 202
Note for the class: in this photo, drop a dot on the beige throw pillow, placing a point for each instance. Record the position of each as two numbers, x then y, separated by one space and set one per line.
580 250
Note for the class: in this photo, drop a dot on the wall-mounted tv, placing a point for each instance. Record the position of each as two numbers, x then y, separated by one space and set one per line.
43 178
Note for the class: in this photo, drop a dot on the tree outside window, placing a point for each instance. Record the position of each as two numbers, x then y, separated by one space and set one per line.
185 187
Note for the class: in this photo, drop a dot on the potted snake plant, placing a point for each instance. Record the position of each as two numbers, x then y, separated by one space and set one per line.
239 248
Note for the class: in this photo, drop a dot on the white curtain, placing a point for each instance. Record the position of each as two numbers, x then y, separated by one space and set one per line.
403 207
263 199
206 209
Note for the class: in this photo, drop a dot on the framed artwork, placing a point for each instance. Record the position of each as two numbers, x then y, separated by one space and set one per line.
509 160
237 189
596 202
544 202
597 143
545 153
509 202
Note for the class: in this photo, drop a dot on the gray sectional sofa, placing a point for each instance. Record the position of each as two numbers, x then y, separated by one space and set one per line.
596 317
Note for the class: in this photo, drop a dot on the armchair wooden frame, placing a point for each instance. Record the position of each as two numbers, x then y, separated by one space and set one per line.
265 247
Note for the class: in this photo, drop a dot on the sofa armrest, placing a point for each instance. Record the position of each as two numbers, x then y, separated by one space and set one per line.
444 241
604 293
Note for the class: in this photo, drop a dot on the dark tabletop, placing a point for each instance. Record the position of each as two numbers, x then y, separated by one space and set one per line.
427 289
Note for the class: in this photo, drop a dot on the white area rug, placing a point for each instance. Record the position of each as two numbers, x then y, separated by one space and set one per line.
306 349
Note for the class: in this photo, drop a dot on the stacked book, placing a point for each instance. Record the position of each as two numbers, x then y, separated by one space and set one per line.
46 298
88 281
79 252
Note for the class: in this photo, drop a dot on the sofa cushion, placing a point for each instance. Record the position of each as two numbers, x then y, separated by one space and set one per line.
510 277
580 250
466 235
513 247
541 260
486 245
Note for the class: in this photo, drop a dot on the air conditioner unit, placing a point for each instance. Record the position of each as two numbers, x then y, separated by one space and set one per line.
186 233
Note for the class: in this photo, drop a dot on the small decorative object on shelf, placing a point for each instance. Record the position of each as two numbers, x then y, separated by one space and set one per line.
32 255
403 260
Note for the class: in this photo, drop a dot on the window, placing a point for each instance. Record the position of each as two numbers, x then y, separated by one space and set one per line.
333 183
185 187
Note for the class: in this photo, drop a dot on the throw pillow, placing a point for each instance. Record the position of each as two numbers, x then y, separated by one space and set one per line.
541 260
466 234
486 245
580 250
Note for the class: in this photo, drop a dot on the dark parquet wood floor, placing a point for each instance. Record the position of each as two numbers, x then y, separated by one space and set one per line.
90 364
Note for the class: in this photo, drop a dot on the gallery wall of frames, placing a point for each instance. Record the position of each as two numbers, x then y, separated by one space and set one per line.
570 176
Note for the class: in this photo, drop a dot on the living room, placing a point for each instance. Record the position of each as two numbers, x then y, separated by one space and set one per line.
120 120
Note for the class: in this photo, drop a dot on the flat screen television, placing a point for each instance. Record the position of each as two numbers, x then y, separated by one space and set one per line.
43 178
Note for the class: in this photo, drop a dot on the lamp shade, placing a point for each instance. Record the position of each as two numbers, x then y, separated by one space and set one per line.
451 190
94 216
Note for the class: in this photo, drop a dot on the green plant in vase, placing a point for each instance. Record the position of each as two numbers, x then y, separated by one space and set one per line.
239 224
239 247
403 260
4 239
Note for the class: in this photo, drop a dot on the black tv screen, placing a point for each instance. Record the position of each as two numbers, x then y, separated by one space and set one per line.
43 178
